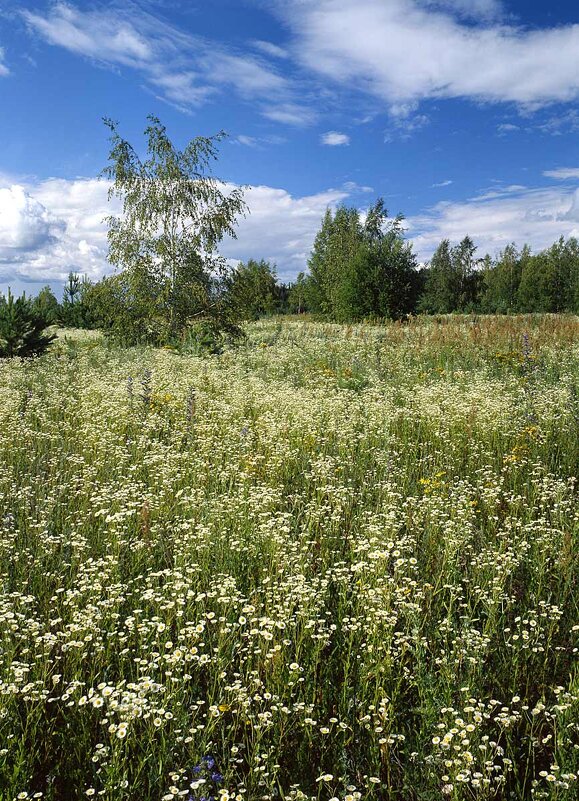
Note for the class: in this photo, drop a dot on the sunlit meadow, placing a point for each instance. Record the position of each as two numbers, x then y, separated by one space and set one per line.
331 563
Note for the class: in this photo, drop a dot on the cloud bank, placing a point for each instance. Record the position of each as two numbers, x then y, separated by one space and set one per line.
53 226
493 219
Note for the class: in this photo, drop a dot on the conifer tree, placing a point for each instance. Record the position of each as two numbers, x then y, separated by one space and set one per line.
22 328
46 305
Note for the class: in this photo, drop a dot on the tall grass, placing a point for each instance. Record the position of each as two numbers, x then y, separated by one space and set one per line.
335 563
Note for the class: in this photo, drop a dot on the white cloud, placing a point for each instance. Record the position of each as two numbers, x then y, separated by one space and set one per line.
334 138
281 228
352 188
3 68
290 114
25 224
248 76
49 228
441 184
183 89
270 49
472 9
405 51
247 141
258 141
54 226
404 127
104 36
186 70
515 214
572 214
558 124
563 173
507 127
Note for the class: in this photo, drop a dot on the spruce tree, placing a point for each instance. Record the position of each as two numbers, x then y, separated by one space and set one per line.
22 328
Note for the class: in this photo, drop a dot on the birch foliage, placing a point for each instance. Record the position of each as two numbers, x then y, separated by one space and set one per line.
174 214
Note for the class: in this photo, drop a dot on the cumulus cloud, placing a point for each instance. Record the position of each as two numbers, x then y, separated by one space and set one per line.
186 70
54 226
280 227
334 138
493 219
25 224
406 51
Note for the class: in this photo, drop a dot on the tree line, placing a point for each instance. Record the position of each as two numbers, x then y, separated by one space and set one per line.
357 270
366 270
171 285
362 271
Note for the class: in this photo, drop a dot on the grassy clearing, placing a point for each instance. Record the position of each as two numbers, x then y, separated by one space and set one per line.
336 563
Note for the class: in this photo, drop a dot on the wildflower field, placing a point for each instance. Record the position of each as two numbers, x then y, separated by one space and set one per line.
331 563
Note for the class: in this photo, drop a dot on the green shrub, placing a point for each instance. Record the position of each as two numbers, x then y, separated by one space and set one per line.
22 328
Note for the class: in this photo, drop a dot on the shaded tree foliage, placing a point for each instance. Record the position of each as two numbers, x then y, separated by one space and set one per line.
452 279
47 305
254 289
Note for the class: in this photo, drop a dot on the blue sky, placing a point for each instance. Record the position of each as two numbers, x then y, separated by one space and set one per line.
462 114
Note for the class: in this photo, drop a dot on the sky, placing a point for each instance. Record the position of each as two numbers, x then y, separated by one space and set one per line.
462 114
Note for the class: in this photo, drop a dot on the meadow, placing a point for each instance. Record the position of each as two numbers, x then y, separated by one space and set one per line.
332 563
